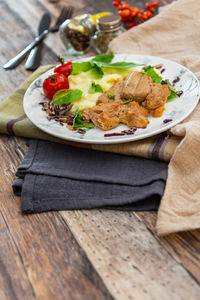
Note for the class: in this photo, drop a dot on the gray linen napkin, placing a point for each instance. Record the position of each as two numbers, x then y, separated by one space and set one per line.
53 176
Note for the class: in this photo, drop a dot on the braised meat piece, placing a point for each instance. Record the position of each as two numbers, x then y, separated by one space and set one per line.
115 90
137 86
143 88
130 85
157 97
133 115
107 116
103 115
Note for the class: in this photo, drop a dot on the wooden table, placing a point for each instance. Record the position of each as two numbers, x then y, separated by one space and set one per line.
90 254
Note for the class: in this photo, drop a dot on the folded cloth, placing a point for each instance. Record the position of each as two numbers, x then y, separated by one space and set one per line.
175 35
57 177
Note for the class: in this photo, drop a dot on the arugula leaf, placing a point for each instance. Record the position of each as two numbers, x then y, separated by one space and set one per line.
120 65
103 58
95 88
80 67
71 96
111 96
78 122
127 101
153 74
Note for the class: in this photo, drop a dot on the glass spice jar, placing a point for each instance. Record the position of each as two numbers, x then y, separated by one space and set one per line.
76 34
109 27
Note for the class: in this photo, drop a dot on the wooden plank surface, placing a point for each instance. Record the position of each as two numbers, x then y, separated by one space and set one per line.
48 260
95 254
132 263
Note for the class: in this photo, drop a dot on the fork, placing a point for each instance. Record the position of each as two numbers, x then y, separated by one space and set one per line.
65 14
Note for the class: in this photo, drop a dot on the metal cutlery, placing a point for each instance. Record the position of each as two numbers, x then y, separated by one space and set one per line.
33 60
66 13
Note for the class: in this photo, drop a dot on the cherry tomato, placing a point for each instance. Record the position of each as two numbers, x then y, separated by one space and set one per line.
149 4
120 12
124 19
145 17
131 24
54 83
152 9
125 5
115 3
125 13
148 14
120 7
155 3
64 68
135 9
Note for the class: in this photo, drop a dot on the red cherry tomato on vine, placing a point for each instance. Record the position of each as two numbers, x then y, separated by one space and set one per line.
149 4
120 7
125 12
155 3
54 83
64 68
125 5
152 9
115 3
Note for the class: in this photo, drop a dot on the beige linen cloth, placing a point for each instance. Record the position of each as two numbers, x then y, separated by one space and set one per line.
175 34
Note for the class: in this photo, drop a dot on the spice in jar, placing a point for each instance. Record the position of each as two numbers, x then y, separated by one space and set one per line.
109 27
76 33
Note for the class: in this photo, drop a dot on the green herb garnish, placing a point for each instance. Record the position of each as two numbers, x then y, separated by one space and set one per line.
111 96
95 88
70 96
153 74
158 79
120 65
80 67
103 58
78 122
127 101
98 62
96 70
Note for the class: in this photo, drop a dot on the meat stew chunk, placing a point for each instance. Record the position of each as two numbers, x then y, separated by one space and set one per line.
157 97
133 115
104 115
136 87
115 89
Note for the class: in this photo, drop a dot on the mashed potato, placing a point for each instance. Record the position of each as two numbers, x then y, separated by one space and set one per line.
84 80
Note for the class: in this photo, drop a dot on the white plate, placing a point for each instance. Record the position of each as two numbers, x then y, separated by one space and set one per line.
177 110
